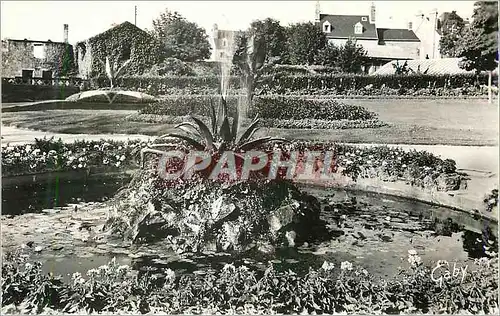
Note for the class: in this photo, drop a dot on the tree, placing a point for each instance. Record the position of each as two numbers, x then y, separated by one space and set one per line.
258 49
304 42
452 28
328 56
272 35
478 46
182 39
351 57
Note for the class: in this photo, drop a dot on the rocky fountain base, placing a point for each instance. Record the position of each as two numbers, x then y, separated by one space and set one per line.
206 215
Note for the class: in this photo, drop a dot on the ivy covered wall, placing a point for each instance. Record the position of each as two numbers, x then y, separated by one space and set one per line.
119 43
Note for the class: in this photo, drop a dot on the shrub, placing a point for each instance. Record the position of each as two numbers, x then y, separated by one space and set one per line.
171 67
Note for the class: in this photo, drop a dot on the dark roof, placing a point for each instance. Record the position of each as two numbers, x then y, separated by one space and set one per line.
33 41
343 26
396 35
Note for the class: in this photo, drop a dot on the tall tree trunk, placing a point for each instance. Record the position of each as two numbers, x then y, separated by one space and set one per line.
489 87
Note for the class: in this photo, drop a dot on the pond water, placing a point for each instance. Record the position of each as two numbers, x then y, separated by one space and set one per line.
372 230
34 194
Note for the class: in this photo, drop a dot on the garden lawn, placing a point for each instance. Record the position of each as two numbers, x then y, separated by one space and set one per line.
429 122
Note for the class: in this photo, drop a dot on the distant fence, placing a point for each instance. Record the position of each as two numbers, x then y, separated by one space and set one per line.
19 89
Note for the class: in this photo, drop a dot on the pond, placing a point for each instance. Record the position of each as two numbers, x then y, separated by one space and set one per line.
372 230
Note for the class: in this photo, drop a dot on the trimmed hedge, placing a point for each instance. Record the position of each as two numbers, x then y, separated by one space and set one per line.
341 84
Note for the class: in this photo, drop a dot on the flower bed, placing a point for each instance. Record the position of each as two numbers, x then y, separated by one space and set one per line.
275 112
297 109
47 155
417 168
275 123
347 289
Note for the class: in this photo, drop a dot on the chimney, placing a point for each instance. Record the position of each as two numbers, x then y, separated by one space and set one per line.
317 18
65 33
372 13
410 26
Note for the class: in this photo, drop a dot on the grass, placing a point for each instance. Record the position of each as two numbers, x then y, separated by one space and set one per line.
425 122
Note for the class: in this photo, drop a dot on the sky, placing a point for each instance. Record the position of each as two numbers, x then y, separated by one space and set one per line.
43 20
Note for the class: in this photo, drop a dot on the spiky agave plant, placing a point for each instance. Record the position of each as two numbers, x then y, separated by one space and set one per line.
219 137
114 72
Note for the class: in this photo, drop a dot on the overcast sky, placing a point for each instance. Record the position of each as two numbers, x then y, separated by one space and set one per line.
43 20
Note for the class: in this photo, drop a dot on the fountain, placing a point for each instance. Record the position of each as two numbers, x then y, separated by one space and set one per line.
218 214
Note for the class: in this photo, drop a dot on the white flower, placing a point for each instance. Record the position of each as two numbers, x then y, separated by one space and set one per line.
80 165
384 163
10 148
28 148
346 265
229 266
169 275
36 151
17 155
404 166
364 272
105 161
412 252
327 266
368 161
122 158
371 156
96 146
117 164
119 147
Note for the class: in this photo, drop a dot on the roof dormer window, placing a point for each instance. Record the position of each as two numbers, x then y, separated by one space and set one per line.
364 19
327 27
358 28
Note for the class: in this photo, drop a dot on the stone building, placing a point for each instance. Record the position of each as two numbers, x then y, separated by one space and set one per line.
382 44
37 59
222 43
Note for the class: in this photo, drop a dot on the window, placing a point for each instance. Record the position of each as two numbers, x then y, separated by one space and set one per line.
327 28
364 19
224 42
39 51
221 55
358 28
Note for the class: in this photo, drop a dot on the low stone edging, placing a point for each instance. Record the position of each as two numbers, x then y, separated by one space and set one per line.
450 199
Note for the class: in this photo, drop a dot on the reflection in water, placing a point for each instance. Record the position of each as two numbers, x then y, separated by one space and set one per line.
33 196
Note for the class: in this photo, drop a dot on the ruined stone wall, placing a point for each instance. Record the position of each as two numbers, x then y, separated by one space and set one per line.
19 55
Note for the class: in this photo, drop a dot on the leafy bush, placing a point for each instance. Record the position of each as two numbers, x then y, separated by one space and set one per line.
240 290
171 67
491 200
296 109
